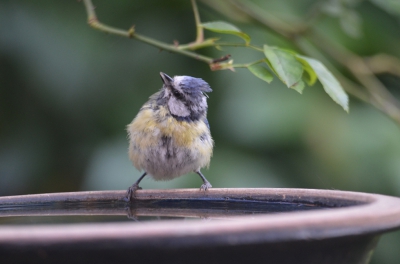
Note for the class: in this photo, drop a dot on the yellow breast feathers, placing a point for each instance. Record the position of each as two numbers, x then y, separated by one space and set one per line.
153 124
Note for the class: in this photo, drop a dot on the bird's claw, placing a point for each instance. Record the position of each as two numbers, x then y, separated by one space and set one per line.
205 186
130 193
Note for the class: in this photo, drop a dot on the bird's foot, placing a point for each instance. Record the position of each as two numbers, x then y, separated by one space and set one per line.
205 186
130 193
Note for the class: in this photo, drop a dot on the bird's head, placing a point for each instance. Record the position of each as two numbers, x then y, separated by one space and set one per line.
184 96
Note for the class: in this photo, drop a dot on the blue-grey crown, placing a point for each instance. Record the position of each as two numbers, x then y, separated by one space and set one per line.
190 84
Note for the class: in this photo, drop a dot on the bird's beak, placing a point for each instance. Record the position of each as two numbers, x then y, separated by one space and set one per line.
166 79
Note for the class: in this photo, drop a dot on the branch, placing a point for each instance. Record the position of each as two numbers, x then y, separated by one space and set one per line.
361 71
359 67
214 63
383 63
268 19
94 22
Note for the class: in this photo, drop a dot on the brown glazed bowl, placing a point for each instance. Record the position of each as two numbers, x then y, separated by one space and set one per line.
233 226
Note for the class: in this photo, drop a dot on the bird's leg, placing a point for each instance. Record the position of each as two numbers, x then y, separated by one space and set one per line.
206 184
131 190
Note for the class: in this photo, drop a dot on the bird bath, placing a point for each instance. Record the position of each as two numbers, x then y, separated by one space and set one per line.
190 226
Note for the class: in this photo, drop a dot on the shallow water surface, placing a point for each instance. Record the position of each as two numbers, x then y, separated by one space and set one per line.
62 212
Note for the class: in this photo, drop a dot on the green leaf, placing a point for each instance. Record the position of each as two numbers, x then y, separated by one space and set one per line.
331 85
261 72
284 64
298 87
226 28
309 74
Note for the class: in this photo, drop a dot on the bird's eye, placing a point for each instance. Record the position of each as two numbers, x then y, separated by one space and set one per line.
177 94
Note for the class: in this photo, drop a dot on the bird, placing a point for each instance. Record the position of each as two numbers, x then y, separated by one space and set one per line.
170 136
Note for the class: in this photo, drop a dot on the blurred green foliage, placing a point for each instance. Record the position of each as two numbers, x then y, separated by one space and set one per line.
67 93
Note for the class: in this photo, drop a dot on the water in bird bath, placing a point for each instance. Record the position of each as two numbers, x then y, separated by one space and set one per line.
101 210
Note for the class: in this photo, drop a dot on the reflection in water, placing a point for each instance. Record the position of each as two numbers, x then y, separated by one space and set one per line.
142 210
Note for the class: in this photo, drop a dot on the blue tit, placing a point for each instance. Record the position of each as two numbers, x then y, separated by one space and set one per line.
170 136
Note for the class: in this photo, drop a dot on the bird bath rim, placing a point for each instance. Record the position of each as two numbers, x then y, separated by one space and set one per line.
351 213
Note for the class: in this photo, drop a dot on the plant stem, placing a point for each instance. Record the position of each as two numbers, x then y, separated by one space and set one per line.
199 28
376 93
94 22
246 65
267 18
360 70
172 48
238 45
180 49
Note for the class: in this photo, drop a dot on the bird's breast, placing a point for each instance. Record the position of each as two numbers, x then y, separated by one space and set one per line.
152 125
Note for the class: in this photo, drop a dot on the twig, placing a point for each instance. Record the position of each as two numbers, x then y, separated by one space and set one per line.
246 65
383 63
378 96
215 64
278 26
361 71
199 28
223 58
95 23
233 44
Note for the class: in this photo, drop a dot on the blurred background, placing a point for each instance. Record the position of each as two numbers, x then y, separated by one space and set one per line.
68 91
